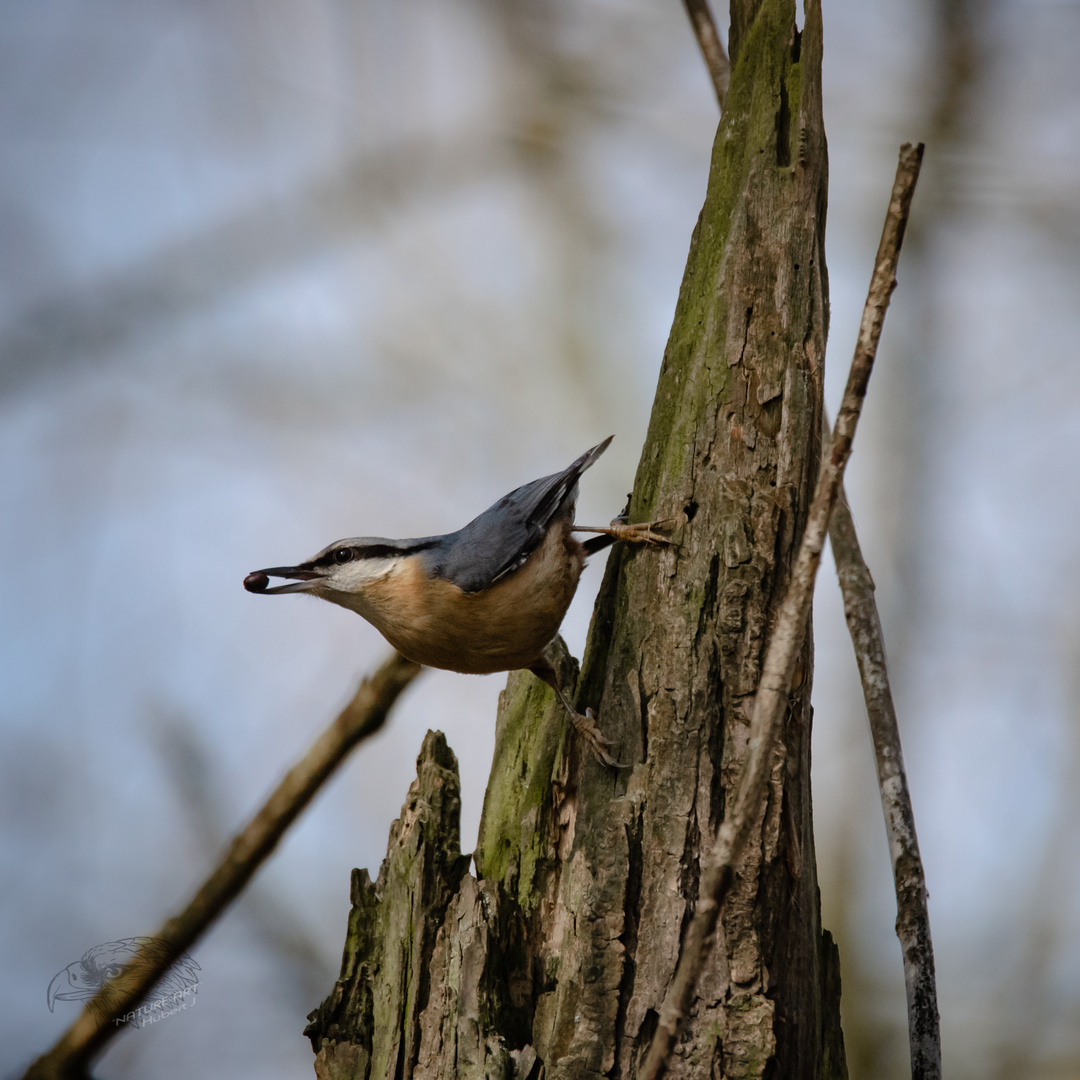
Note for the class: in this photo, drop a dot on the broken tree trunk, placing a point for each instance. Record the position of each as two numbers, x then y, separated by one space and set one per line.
556 957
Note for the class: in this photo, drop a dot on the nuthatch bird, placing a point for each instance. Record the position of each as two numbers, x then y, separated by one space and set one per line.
489 597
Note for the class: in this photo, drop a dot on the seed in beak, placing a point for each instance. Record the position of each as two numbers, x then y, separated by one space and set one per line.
256 582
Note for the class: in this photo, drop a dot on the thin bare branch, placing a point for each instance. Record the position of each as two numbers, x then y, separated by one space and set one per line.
89 322
712 48
912 917
787 637
362 717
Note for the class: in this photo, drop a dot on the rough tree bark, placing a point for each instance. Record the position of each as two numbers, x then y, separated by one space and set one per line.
555 958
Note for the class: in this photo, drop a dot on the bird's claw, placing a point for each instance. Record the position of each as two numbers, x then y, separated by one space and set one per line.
585 725
642 533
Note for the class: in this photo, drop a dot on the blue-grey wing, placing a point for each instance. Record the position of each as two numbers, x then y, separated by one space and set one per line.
505 535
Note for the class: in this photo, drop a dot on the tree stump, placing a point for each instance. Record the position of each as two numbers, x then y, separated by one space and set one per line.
555 958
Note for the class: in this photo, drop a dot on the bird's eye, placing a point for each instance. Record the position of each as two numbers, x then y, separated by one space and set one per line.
113 970
343 555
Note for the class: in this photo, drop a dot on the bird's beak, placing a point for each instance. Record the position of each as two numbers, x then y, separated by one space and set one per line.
69 985
258 580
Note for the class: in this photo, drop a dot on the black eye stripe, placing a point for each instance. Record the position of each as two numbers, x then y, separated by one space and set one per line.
377 551
338 555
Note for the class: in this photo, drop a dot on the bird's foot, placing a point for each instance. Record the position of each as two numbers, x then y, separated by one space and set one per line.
584 723
585 726
642 533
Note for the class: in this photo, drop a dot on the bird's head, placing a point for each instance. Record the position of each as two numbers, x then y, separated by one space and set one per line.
343 571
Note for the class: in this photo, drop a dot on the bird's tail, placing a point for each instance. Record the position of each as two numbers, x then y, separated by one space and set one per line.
589 457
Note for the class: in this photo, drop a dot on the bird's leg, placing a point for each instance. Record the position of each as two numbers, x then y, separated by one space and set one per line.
584 724
634 534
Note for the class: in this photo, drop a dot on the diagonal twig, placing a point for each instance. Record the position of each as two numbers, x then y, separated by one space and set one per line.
712 48
912 918
70 1058
786 641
